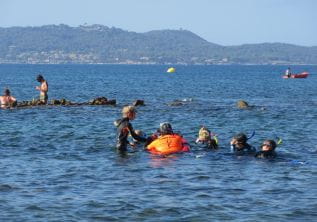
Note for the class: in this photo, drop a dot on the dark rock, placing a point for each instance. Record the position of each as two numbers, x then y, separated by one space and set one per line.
55 102
241 104
99 101
111 102
138 102
176 103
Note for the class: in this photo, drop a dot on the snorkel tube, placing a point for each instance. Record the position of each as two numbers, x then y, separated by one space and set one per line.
252 135
214 136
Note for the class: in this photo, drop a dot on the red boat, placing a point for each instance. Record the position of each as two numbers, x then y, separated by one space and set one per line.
295 76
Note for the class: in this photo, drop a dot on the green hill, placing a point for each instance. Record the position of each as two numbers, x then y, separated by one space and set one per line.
56 44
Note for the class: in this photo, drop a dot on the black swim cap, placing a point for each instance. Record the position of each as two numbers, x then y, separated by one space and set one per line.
166 128
241 137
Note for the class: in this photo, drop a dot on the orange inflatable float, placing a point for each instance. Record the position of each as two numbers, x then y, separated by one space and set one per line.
168 144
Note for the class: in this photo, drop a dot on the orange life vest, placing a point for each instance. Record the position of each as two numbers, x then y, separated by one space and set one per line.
168 144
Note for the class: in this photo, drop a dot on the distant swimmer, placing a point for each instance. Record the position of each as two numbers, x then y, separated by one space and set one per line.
7 100
43 88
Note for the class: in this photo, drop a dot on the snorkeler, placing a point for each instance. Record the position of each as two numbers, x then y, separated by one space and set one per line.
240 146
267 150
166 142
204 137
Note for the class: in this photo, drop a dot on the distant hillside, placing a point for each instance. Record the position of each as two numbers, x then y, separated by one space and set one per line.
58 44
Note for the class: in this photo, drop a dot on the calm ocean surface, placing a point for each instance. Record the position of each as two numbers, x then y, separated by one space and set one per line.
60 164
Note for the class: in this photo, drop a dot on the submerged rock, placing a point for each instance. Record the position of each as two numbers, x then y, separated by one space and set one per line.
241 104
138 102
111 102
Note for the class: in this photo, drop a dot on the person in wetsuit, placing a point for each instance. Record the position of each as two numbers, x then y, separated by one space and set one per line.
124 128
240 146
204 137
267 150
165 141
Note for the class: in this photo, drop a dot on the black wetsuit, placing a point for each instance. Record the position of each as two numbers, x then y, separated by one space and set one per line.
124 128
266 154
247 149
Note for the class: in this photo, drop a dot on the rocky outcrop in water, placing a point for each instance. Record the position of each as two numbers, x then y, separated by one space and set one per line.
64 102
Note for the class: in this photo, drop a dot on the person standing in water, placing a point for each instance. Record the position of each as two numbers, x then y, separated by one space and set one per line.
124 128
7 100
43 88
288 72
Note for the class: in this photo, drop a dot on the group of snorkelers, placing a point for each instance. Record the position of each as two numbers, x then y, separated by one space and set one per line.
8 101
164 137
175 143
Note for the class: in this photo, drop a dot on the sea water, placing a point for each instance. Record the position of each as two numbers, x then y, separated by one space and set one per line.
58 163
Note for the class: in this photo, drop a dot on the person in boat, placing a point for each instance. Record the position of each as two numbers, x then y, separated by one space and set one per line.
6 100
240 146
288 72
267 150
166 142
43 88
204 137
124 128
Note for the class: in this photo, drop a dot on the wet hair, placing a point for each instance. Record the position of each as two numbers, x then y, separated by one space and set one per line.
165 128
272 142
241 138
128 109
7 92
39 78
204 134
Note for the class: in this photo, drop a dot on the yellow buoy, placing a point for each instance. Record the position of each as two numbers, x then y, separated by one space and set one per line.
171 69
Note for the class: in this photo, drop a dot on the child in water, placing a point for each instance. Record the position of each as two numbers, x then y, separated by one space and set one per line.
240 146
267 150
124 128
204 137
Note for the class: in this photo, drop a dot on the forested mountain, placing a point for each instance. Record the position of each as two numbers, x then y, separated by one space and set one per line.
55 44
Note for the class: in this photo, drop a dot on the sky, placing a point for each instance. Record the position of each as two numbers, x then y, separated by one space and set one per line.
224 22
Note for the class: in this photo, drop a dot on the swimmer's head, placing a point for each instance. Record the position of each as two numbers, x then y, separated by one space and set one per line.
204 134
240 138
7 92
268 145
129 111
39 78
166 128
